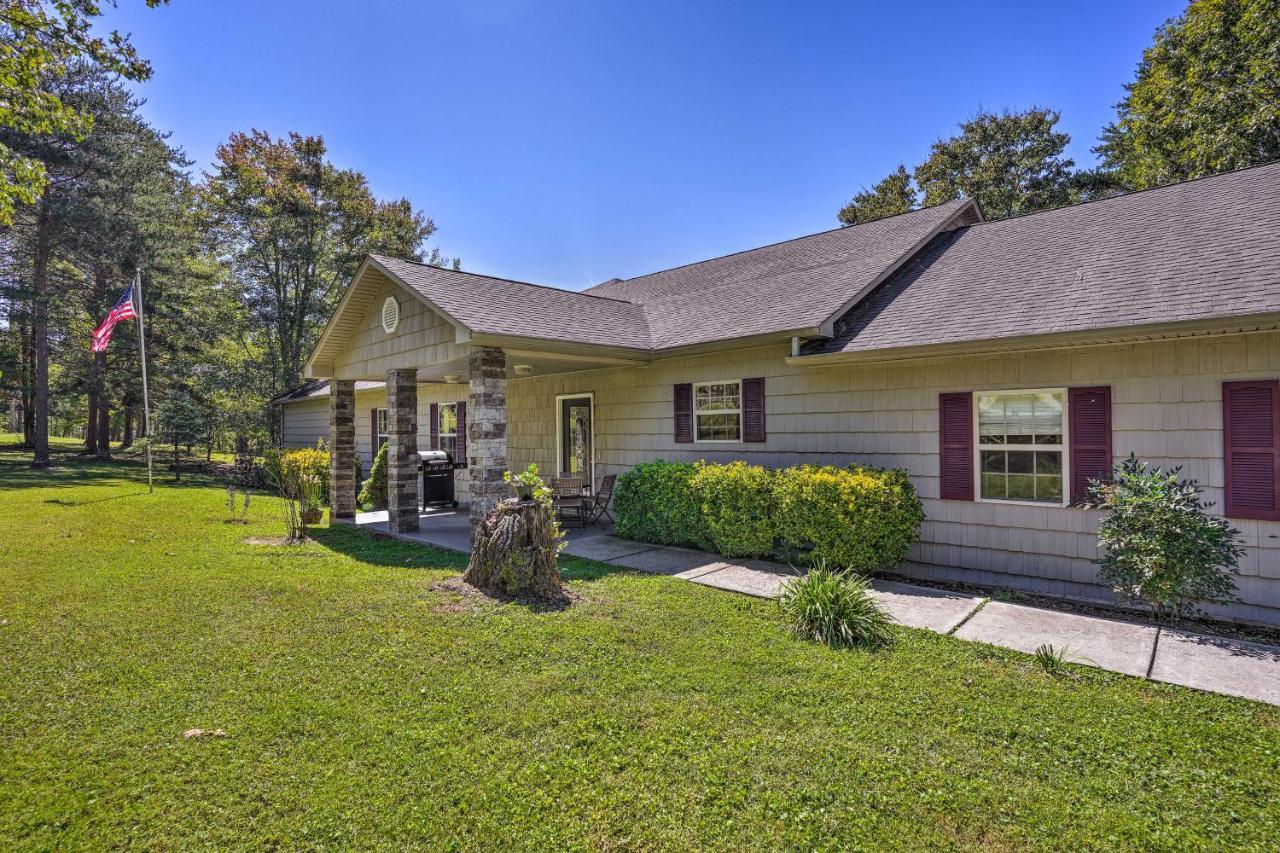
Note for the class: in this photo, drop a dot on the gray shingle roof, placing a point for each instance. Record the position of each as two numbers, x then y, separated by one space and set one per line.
1203 249
317 388
500 306
791 285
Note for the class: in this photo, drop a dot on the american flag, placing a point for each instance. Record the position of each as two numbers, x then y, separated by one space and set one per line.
123 310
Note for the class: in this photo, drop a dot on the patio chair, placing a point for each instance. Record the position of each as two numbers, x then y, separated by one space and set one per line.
569 502
600 501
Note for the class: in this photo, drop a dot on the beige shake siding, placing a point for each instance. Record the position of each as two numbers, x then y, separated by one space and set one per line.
1167 408
303 421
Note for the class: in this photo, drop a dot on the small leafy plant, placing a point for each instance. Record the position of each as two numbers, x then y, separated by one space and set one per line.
529 485
1161 546
1050 659
374 491
835 610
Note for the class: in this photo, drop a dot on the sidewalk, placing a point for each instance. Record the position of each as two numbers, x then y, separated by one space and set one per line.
1201 661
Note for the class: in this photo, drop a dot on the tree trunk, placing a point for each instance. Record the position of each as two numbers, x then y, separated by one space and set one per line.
126 440
104 420
40 334
515 551
91 430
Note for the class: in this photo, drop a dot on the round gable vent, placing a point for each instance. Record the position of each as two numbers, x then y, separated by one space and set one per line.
390 315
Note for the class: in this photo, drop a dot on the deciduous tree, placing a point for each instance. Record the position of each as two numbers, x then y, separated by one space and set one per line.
891 196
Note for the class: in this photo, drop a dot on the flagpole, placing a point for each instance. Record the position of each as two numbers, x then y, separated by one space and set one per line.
146 399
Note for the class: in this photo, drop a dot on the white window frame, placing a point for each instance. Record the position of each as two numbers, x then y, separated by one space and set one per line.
383 418
737 411
441 435
559 427
1065 447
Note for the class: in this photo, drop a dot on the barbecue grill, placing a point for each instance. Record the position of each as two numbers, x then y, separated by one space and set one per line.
437 478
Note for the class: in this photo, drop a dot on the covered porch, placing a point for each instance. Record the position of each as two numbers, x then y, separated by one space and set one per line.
402 327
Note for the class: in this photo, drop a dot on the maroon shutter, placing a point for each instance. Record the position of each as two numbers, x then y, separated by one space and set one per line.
955 431
753 409
1251 434
1089 415
461 455
684 413
373 433
434 420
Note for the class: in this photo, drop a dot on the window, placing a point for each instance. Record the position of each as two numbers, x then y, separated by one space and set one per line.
382 429
448 432
1022 445
717 411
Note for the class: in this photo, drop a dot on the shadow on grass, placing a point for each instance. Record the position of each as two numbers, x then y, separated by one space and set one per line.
365 547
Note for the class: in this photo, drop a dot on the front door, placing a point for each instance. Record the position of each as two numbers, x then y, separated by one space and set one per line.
575 453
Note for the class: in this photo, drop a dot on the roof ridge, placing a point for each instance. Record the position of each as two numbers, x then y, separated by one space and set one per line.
502 279
1128 194
955 201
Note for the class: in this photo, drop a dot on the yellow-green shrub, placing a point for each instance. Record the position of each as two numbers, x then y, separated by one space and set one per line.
862 519
736 502
286 466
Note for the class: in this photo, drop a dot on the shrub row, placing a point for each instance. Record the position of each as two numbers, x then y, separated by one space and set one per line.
854 518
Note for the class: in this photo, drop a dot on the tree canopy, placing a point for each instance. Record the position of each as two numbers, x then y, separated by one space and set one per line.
1206 97
891 196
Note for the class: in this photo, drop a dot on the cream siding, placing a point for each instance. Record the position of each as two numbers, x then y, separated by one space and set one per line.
422 338
1166 399
302 422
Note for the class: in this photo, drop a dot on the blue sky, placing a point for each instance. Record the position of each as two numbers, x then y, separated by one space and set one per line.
566 143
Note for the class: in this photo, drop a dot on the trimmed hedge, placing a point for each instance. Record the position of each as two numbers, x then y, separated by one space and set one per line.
655 502
854 518
281 466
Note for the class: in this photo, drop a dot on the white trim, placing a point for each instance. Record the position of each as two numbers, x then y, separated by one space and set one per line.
590 395
693 402
1064 448
393 304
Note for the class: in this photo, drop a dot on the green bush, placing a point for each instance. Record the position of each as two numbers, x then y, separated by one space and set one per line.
311 461
1161 547
374 491
656 502
834 609
863 519
736 502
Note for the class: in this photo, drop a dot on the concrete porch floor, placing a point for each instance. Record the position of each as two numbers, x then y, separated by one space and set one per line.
1201 661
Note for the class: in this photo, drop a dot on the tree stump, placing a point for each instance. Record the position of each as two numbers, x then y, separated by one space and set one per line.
514 552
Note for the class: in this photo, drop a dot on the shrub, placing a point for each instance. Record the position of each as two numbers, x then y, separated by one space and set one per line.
374 491
736 502
862 519
1160 545
655 502
834 609
311 461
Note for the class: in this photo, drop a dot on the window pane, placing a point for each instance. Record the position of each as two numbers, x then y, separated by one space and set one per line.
1021 462
1022 487
716 397
718 427
991 420
993 461
382 421
1019 416
1049 488
1049 463
449 444
449 419
1047 419
994 486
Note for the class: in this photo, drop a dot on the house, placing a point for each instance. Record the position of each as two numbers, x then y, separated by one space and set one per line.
1001 364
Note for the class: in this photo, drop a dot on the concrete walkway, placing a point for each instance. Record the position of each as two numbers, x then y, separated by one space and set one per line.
1216 664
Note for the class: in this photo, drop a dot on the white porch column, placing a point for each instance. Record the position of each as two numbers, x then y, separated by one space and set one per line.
402 450
487 429
342 448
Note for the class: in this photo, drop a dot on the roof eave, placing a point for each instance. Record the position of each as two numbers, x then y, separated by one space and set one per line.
1231 325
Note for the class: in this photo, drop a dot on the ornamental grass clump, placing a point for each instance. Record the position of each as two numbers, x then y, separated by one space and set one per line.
834 609
1161 547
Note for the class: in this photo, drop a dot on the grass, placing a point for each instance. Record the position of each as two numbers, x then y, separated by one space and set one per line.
363 708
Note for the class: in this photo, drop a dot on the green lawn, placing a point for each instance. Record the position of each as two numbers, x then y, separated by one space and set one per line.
362 708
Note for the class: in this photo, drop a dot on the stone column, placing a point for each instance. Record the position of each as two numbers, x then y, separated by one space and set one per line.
342 449
487 429
402 450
